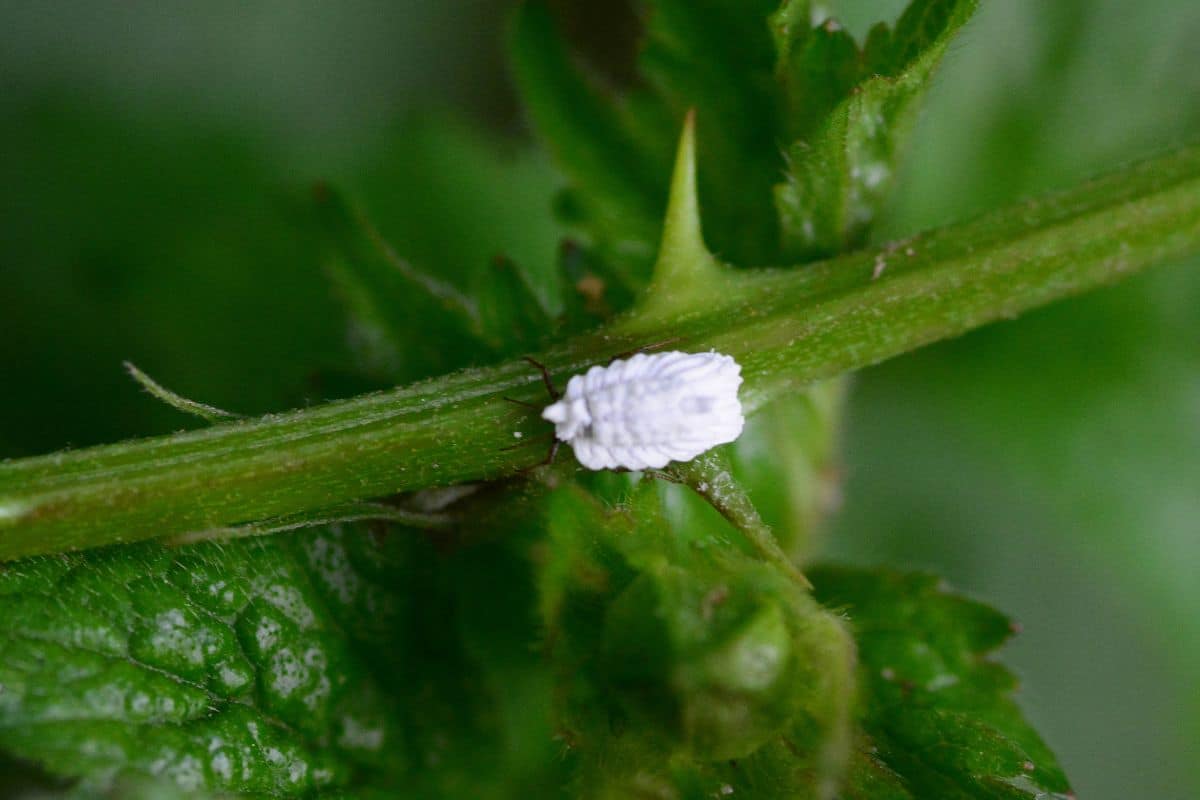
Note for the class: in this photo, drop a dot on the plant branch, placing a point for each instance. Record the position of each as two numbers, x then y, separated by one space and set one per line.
788 328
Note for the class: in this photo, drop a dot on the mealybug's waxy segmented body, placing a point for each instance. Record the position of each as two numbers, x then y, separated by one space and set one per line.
648 410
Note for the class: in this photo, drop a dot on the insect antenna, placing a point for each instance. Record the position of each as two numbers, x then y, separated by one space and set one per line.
644 348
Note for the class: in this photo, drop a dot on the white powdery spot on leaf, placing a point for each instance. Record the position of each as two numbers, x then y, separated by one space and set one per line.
266 634
187 773
297 770
874 174
286 672
290 602
359 736
140 703
328 557
316 662
105 701
173 636
939 682
231 679
221 766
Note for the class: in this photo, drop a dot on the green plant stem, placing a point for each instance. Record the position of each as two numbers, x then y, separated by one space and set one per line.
788 328
711 477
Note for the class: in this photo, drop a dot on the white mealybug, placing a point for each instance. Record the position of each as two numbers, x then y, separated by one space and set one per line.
648 410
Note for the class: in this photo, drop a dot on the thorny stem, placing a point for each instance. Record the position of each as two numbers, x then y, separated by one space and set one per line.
788 328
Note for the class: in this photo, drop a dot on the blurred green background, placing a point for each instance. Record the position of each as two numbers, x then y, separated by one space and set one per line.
157 162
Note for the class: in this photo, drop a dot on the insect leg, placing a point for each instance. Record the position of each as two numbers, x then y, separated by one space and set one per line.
552 454
554 393
545 462
534 406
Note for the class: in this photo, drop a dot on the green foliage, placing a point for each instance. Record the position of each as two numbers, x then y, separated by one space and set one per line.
797 485
615 636
851 109
938 719
222 274
342 659
801 126
685 665
335 659
421 295
771 92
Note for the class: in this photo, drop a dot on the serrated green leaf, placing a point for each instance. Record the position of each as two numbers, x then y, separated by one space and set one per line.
938 715
715 56
216 668
406 322
842 165
622 180
816 67
511 319
765 83
327 661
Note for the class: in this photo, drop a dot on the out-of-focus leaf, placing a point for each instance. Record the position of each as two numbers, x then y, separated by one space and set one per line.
450 197
1052 463
937 714
684 665
451 259
403 323
512 320
794 480
166 243
818 64
590 293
